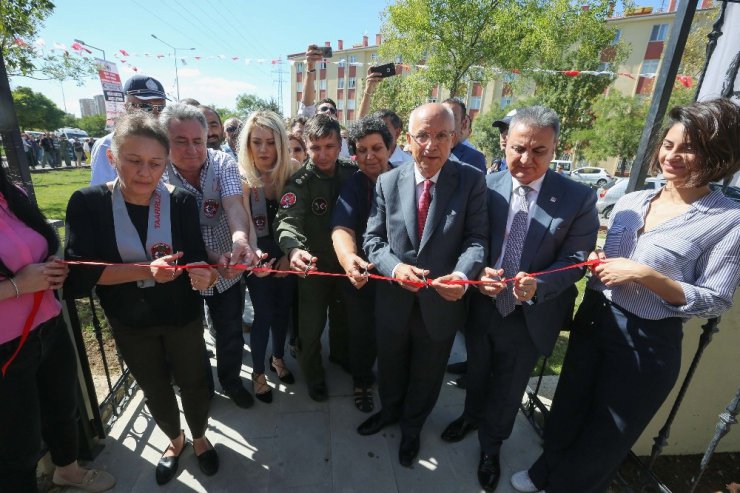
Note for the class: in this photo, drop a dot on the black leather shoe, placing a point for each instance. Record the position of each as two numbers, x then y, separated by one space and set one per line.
458 429
240 396
489 472
318 392
459 368
167 466
208 461
408 450
461 382
374 424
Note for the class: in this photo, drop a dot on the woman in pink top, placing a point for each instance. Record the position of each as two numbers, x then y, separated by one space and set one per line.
37 384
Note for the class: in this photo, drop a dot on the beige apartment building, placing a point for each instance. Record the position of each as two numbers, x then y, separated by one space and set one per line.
341 78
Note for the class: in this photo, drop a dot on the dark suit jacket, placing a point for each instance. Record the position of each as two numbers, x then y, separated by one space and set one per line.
454 241
562 232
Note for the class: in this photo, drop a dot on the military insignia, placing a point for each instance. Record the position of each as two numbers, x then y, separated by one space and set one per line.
160 250
319 206
288 200
210 208
260 222
298 181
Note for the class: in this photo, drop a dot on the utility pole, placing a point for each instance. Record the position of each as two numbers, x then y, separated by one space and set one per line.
174 55
279 81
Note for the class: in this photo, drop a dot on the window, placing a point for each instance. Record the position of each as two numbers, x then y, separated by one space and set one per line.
299 67
399 59
350 104
618 36
322 84
649 68
340 83
352 83
505 101
341 63
431 100
299 86
604 67
374 57
340 104
659 33
474 103
322 65
353 59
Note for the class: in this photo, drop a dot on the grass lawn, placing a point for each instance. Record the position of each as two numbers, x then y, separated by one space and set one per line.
54 188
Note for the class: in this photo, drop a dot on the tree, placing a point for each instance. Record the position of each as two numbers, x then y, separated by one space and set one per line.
94 125
248 103
36 111
402 94
484 135
20 21
225 113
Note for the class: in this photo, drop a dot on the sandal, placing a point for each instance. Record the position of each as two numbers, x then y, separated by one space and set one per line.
262 391
364 399
278 366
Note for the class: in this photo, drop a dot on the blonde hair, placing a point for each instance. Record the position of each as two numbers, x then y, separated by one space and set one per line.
284 166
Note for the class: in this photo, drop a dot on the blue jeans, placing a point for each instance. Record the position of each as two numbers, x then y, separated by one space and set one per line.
226 313
272 298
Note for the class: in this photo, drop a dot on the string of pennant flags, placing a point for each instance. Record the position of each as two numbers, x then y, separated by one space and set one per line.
123 56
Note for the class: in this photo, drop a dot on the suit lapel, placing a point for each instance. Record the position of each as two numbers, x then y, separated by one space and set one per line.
548 201
444 189
498 211
407 193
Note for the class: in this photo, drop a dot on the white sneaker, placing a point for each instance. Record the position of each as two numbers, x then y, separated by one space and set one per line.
521 482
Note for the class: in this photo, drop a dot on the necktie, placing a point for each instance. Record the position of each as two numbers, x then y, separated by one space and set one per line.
423 210
512 256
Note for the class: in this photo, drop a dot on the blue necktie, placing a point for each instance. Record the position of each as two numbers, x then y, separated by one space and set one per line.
505 301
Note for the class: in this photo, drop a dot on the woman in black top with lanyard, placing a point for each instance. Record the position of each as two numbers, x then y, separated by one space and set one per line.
265 166
155 311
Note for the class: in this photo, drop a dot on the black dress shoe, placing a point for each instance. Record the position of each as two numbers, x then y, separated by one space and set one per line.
240 396
167 466
489 472
374 424
459 368
318 392
457 430
208 461
408 450
461 382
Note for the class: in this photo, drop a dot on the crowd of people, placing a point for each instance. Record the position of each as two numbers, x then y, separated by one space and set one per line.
48 149
196 199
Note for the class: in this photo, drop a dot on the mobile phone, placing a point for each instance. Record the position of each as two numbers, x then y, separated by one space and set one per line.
387 70
326 51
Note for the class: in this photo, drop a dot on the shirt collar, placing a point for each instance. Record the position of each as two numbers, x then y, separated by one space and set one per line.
420 179
703 205
535 185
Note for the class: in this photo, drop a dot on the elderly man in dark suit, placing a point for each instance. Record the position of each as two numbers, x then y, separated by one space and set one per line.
539 220
429 220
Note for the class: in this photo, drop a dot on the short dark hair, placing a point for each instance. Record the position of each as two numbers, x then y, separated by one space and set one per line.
203 107
297 138
457 102
293 121
190 101
367 126
320 126
327 100
713 130
391 115
139 124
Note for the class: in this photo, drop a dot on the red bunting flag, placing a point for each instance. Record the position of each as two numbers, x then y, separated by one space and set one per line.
20 42
571 73
685 81
124 52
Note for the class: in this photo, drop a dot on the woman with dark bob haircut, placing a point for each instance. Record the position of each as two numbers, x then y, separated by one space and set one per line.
670 254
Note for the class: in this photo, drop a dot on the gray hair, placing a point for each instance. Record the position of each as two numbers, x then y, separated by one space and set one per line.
182 112
538 117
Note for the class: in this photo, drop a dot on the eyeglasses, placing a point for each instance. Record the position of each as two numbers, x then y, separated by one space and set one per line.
423 138
147 107
232 128
327 109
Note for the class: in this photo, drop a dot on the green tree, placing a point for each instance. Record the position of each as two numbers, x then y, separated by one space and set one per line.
94 125
402 94
484 135
247 103
225 113
20 21
36 111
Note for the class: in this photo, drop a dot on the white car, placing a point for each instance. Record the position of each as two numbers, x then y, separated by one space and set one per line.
591 176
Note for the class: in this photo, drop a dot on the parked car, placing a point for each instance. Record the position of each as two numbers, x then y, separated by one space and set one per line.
593 176
609 195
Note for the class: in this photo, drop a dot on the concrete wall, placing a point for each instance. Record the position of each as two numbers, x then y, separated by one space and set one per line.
715 382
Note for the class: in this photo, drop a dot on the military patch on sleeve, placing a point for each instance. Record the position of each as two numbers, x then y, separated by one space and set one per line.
319 206
288 200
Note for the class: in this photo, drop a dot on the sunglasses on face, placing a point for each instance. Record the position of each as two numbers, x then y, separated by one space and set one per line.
232 128
327 109
147 107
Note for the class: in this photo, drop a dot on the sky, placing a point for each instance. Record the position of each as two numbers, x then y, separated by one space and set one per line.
246 29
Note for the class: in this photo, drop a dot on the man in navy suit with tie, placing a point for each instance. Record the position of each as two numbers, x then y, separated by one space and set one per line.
539 221
429 220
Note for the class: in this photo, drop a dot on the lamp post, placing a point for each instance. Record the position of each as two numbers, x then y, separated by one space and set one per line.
174 50
90 46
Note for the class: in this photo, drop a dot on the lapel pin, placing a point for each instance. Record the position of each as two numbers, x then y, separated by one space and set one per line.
553 199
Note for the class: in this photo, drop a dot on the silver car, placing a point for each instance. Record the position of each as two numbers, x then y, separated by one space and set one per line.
590 175
609 196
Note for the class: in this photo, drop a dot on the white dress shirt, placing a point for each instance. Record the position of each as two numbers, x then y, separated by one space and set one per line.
515 205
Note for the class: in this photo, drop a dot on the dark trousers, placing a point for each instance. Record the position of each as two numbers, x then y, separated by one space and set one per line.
411 368
501 356
226 313
617 372
37 400
155 353
272 298
316 295
362 347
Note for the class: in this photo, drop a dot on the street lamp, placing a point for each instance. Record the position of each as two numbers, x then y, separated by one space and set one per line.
90 46
177 80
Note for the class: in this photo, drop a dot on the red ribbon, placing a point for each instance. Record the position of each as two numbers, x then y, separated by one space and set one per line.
37 297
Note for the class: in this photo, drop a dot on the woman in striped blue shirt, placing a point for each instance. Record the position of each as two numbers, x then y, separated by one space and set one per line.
670 254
